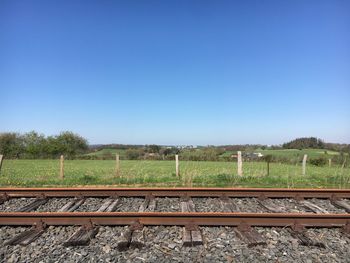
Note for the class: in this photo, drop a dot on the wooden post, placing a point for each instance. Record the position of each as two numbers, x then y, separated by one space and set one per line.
343 165
330 162
304 164
1 157
177 165
62 167
117 165
268 159
239 163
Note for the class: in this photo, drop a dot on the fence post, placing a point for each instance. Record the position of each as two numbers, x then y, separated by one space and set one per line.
1 157
62 167
304 164
330 162
343 165
177 165
239 163
117 165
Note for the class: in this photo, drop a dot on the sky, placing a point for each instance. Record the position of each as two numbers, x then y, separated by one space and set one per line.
177 72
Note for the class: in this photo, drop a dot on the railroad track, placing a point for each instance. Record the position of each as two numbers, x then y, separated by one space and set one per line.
318 208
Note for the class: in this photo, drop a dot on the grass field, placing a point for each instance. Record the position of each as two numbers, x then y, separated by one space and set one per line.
108 151
293 153
25 173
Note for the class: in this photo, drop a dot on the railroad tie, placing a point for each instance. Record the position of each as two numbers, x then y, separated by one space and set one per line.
72 205
82 236
27 236
33 205
196 237
109 205
187 205
186 238
248 234
124 239
270 207
144 205
346 229
3 198
152 204
133 237
114 205
105 205
340 203
300 232
191 233
137 236
312 207
192 236
148 204
227 205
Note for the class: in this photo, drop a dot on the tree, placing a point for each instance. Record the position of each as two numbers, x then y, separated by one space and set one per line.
51 147
153 148
304 143
11 144
69 144
168 151
34 145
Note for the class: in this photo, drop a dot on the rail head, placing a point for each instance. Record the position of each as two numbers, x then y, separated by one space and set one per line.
177 192
175 218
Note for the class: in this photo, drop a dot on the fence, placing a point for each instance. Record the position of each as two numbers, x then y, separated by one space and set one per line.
167 173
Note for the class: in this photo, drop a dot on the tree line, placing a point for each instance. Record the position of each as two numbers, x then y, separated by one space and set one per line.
33 145
305 143
316 143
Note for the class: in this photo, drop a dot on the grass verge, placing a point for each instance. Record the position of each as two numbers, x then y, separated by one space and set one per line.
40 173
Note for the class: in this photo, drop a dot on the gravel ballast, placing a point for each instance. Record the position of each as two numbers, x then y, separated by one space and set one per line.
15 203
128 204
164 244
166 204
53 204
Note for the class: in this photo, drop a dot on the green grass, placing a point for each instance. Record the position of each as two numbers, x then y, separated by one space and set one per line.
297 153
293 153
25 173
107 151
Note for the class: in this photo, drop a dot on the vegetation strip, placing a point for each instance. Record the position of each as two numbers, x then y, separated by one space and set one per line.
146 173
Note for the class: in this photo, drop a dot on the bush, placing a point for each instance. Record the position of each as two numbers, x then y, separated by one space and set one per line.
318 161
34 145
133 154
11 145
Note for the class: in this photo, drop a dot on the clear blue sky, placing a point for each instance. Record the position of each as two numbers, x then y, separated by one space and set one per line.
177 72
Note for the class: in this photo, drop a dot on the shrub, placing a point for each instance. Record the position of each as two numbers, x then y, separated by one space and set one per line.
318 161
11 144
133 154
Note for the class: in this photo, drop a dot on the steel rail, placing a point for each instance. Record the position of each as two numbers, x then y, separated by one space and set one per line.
181 219
177 192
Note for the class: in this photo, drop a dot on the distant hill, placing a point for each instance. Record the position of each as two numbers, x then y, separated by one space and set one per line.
305 143
315 143
295 149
